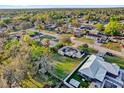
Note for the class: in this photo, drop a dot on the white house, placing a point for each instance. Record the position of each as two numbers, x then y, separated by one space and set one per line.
71 52
97 70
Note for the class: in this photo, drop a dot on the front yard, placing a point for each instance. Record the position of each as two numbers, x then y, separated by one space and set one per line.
113 46
47 37
86 40
88 49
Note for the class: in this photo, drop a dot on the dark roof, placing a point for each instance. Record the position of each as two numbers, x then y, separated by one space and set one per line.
119 38
86 27
94 35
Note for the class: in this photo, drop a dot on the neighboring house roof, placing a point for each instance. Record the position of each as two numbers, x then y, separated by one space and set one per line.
70 51
74 83
96 68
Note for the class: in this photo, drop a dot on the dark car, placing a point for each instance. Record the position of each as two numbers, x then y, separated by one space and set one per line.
123 46
109 54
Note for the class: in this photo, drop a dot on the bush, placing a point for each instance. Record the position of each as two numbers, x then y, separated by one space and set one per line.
11 43
65 40
58 46
36 52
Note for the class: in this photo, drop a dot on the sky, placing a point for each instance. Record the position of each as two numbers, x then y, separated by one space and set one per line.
57 6
60 3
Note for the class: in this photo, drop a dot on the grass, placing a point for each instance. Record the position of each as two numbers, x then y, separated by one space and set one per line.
86 40
114 59
38 82
48 37
31 83
32 33
83 84
89 50
64 65
66 35
51 32
76 76
113 46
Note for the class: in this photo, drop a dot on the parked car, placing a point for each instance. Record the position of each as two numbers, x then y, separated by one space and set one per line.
109 54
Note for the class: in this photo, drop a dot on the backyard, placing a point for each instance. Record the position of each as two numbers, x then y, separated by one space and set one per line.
75 75
83 82
64 65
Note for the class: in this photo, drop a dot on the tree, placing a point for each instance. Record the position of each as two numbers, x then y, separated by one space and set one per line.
36 52
2 24
114 18
43 66
25 25
59 22
40 27
46 42
113 28
7 21
27 39
75 22
87 18
13 71
65 40
100 27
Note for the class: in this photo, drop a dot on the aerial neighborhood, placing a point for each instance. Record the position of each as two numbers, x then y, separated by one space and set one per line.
62 48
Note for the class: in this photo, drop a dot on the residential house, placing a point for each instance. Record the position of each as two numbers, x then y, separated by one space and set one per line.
71 52
103 39
93 36
50 27
86 27
102 73
77 32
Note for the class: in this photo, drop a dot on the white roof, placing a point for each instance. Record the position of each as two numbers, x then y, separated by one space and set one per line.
111 68
74 83
95 67
100 74
90 67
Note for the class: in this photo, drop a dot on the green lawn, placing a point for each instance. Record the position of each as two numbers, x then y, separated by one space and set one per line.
83 84
64 65
114 59
66 35
89 50
47 37
86 40
37 82
32 33
113 46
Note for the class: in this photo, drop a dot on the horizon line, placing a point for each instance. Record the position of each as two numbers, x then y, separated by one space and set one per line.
57 6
